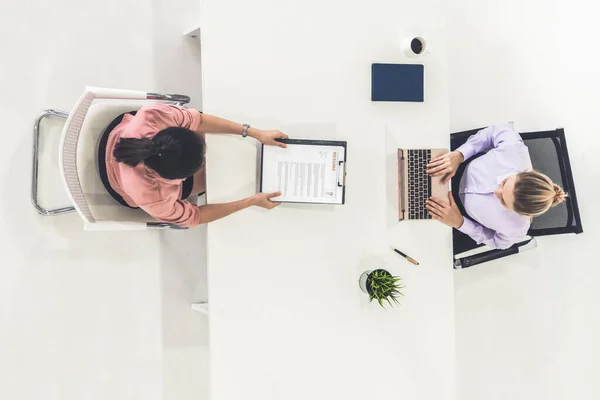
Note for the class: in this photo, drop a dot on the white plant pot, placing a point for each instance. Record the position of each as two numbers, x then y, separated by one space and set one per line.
362 281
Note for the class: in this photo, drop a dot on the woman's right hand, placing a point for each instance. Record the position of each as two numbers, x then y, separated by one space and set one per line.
446 165
263 200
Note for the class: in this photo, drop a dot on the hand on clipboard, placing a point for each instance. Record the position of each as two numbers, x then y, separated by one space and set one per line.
272 138
264 200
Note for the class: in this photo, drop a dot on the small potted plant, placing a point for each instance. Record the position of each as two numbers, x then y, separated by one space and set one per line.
380 285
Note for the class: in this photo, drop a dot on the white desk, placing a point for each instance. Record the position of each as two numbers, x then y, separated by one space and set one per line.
287 318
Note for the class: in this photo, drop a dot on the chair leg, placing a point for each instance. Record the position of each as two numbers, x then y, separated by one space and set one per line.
34 178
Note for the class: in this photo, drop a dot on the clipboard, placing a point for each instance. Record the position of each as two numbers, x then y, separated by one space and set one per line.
307 172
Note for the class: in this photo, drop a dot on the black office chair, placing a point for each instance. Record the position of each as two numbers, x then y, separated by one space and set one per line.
549 155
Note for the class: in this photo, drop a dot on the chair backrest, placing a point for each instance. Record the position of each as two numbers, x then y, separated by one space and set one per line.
68 155
549 155
102 205
77 161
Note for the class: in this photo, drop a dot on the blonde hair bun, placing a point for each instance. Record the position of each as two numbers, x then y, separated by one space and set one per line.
559 195
535 193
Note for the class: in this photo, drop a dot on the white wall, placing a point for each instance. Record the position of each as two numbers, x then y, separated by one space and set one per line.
527 327
92 315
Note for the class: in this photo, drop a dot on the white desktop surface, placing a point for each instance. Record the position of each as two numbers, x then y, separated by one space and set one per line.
287 318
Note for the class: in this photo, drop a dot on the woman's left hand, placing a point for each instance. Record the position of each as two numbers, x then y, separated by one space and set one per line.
445 165
269 138
445 211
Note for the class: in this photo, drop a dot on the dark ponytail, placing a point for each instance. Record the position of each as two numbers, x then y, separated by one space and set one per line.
133 151
174 153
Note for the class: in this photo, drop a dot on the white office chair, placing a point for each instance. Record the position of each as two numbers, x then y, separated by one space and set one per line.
78 159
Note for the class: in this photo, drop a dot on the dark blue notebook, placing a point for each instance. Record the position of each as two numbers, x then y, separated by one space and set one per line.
397 82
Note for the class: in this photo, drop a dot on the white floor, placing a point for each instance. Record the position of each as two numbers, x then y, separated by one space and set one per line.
527 327
93 315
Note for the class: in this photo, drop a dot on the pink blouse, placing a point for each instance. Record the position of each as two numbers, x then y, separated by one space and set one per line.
141 186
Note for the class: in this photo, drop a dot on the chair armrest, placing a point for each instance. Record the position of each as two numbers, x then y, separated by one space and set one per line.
107 93
178 99
469 261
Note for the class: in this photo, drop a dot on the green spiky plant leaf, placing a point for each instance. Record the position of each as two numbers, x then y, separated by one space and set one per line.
384 287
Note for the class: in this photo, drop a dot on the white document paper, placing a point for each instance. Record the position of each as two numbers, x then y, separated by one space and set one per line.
304 173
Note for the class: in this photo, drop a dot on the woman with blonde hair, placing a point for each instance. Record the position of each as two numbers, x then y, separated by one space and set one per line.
499 192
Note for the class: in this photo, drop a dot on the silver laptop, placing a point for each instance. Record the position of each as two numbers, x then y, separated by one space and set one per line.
415 186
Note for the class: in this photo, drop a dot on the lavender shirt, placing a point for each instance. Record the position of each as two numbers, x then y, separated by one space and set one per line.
507 155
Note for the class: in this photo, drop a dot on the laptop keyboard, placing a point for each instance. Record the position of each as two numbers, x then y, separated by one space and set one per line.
419 184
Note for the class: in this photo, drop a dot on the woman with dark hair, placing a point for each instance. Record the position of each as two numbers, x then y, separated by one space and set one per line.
154 160
499 192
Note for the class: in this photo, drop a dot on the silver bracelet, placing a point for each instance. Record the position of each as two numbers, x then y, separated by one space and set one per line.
245 128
